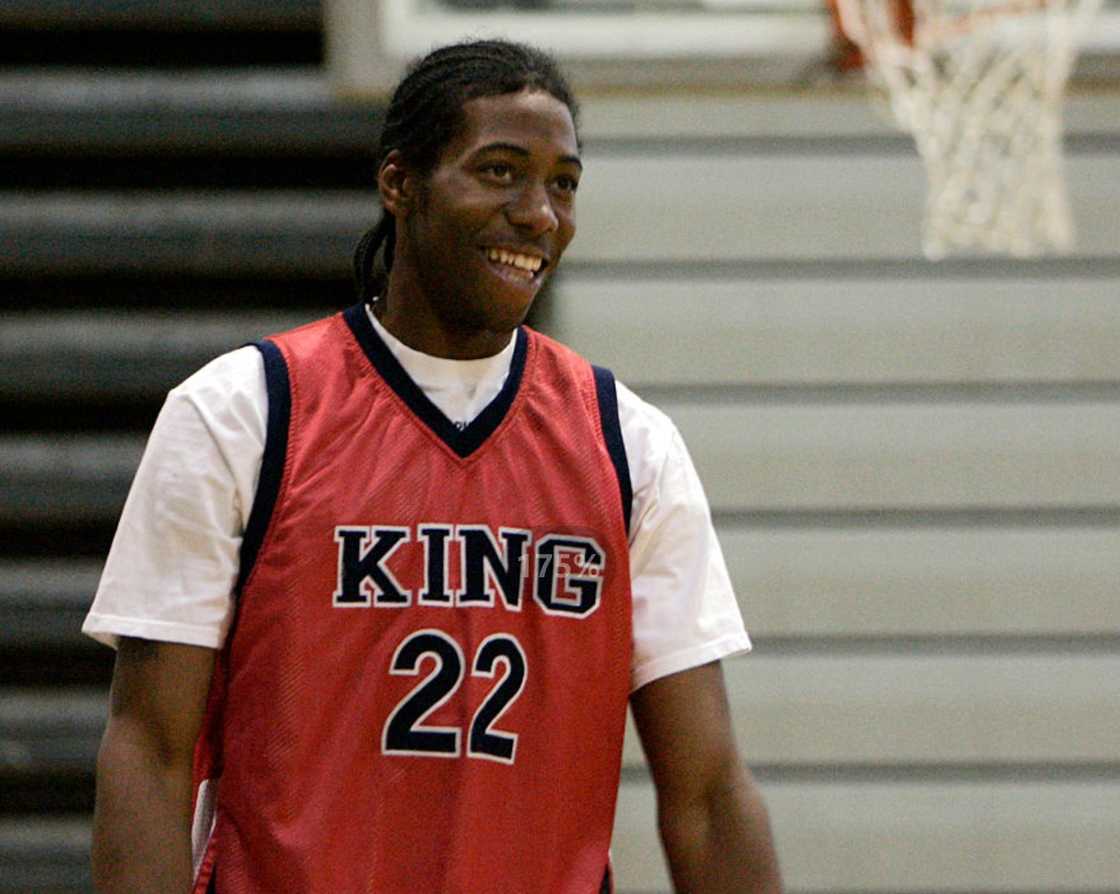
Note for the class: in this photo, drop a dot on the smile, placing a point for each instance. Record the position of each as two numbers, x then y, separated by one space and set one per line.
524 265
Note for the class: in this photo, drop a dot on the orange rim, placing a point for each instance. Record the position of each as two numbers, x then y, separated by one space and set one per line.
846 54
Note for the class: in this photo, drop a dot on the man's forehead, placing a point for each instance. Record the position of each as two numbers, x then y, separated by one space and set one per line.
519 119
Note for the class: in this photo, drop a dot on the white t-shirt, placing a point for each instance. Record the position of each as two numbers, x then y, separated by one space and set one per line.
173 564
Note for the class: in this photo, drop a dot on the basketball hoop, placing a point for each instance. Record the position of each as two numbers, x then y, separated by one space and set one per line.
979 83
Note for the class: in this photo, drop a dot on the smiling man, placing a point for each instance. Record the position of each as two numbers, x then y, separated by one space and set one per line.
482 231
385 584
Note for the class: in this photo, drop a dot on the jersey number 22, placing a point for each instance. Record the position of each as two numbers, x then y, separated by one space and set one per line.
405 732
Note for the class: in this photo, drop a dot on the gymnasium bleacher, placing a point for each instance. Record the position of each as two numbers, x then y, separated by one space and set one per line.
913 466
914 471
164 165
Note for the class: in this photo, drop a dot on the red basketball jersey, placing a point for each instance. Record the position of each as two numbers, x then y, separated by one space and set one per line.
425 686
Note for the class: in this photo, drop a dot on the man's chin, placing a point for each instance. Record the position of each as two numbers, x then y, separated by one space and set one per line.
513 316
504 310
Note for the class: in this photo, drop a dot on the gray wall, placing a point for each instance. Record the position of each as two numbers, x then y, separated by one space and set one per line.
915 472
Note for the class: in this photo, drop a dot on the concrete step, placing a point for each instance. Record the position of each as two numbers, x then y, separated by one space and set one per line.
65 479
162 14
796 710
43 602
820 457
160 33
841 588
50 731
118 356
154 47
930 329
290 111
45 855
245 234
878 835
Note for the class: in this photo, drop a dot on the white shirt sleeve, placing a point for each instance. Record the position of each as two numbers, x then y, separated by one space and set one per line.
174 561
685 613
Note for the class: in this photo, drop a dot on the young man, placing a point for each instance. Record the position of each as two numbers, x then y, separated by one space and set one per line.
385 584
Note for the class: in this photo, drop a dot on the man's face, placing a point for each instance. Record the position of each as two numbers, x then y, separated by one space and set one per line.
491 221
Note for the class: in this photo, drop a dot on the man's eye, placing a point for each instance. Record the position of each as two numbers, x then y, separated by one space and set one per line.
567 184
500 170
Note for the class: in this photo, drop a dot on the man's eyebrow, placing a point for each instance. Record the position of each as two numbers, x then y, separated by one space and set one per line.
525 153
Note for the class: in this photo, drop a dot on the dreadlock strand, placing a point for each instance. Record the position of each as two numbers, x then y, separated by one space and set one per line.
383 235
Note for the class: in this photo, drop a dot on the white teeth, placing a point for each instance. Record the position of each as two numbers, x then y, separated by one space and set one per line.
527 263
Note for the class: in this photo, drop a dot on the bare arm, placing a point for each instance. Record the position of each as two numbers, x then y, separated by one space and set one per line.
713 823
141 824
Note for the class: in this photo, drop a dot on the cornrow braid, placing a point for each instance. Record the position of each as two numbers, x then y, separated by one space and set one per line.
370 275
426 112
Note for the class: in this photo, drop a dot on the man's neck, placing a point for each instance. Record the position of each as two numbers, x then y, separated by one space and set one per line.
425 333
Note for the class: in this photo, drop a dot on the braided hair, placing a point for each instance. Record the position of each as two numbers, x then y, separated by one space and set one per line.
426 112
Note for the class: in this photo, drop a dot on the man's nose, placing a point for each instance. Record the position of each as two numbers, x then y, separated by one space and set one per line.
532 210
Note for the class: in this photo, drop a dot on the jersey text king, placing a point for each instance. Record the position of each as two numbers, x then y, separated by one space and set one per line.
492 567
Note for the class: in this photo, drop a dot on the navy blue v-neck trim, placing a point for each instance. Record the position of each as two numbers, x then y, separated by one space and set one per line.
463 441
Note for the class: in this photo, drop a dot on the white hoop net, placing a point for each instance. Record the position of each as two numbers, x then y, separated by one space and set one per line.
980 87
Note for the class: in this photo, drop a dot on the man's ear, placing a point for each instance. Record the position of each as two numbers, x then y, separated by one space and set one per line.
396 184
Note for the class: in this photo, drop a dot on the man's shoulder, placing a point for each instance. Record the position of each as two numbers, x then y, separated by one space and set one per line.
642 423
551 344
235 371
308 334
636 408
647 430
561 353
242 369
